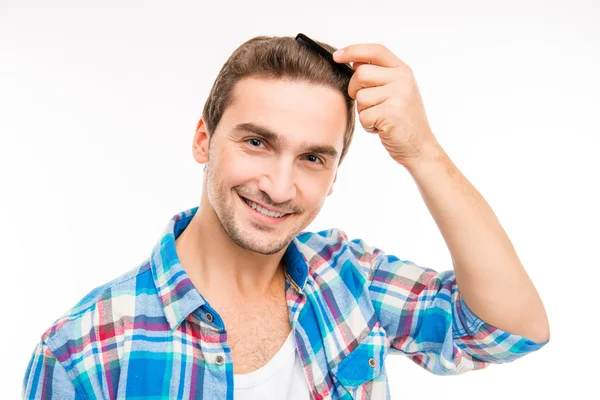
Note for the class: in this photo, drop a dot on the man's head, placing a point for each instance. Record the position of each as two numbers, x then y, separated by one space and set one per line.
276 125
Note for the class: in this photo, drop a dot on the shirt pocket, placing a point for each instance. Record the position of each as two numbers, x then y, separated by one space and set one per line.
364 363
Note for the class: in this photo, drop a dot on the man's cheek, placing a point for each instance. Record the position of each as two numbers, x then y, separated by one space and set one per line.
313 187
247 168
242 172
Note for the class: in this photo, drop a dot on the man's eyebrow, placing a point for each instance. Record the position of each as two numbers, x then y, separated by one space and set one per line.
320 149
260 131
275 138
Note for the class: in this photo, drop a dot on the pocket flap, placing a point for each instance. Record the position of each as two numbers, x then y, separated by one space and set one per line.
362 364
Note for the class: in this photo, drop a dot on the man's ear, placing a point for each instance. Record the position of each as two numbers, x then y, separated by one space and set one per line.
200 143
331 188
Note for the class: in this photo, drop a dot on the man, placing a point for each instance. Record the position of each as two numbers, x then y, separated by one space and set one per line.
235 301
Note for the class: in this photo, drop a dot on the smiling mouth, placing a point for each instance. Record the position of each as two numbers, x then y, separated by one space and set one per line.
264 211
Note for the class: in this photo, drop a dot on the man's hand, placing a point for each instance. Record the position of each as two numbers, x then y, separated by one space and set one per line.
388 100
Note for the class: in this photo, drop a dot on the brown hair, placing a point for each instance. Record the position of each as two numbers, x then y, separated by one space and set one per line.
279 57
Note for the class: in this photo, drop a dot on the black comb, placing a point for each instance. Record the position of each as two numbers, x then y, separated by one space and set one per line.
346 70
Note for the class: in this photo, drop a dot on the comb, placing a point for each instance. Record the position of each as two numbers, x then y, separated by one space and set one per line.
346 70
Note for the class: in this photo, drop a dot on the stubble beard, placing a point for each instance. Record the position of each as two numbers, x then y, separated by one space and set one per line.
253 241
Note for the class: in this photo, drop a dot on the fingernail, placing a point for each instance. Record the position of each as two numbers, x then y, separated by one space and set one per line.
338 53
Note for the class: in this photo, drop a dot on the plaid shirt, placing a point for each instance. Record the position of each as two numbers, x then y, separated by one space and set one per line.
150 334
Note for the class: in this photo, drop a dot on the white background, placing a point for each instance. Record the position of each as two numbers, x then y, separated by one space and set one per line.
99 102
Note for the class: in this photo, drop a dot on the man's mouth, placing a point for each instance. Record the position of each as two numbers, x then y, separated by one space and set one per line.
263 210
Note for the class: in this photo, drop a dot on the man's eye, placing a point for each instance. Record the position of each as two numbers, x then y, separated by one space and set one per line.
254 142
314 159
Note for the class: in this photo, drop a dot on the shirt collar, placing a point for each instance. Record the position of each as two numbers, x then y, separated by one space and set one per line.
176 291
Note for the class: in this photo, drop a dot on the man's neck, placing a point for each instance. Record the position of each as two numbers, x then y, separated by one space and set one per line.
219 267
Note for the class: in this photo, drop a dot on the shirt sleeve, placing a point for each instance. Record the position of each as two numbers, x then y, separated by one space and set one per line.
426 318
46 378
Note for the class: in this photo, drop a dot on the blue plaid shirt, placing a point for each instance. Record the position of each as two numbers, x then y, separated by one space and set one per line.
149 334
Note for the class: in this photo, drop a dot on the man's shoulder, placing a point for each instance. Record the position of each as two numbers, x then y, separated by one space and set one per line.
90 311
335 238
334 248
325 236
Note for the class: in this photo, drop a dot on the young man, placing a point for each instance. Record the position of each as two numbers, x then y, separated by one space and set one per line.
235 301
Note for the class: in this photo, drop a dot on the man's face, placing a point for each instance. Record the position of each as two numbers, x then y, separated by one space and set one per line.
277 146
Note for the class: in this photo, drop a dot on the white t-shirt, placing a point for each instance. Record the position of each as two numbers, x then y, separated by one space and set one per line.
280 378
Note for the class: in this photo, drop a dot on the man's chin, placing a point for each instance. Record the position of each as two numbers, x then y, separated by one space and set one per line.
262 246
261 239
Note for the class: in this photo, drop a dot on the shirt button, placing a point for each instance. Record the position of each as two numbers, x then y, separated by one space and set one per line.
372 362
220 360
209 317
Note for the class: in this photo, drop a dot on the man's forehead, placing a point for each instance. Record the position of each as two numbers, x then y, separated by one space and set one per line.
289 108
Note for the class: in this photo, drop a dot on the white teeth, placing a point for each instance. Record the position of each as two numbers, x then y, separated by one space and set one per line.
263 210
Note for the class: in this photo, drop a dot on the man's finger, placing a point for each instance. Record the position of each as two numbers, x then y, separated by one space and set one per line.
373 53
369 97
357 64
370 76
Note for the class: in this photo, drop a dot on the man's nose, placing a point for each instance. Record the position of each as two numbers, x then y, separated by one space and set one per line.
279 183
